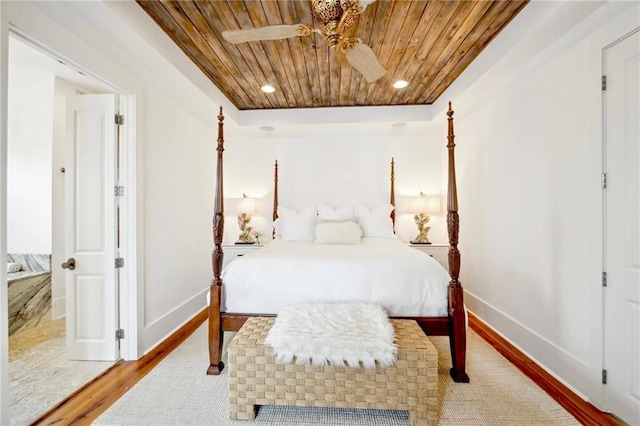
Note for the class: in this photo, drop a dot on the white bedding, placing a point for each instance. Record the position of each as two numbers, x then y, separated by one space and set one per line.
405 281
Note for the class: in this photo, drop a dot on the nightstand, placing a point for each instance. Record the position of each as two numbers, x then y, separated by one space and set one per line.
439 251
234 251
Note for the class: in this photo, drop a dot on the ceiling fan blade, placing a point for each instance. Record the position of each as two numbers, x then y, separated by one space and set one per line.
362 58
271 32
364 3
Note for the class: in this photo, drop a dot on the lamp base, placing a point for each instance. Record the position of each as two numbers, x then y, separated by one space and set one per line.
250 242
420 242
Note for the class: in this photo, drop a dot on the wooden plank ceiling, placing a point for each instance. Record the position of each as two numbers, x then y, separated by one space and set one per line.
425 42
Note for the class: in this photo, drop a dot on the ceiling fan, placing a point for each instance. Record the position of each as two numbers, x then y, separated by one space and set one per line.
333 17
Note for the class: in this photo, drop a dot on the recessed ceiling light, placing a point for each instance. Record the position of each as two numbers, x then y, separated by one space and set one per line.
400 84
267 128
268 89
399 124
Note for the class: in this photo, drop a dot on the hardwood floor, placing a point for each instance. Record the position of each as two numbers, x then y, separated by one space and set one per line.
583 411
93 399
89 402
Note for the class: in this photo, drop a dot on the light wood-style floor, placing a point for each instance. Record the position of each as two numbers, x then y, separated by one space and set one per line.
89 402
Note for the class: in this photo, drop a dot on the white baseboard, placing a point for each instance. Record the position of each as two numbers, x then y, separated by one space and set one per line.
157 331
574 373
58 307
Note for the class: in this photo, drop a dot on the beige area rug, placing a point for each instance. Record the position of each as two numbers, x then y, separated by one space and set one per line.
178 392
40 375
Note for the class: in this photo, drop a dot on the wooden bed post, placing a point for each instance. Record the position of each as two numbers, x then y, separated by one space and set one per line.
392 197
215 322
457 326
275 195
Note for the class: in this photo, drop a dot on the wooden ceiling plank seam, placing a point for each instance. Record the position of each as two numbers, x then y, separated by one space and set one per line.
334 76
345 80
473 36
244 21
365 34
288 15
219 78
449 24
387 56
511 10
322 59
271 47
274 17
353 75
239 52
415 29
368 38
195 16
409 28
418 64
303 15
408 61
448 51
383 17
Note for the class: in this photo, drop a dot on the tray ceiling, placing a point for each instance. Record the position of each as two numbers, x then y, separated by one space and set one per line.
427 43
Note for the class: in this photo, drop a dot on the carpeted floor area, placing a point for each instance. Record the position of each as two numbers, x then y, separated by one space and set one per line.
40 375
178 392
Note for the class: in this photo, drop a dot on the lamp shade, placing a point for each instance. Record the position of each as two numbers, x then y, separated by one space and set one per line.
424 204
247 205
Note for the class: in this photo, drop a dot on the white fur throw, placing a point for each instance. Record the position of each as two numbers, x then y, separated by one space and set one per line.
336 334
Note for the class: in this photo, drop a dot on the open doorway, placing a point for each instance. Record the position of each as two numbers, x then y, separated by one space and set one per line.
41 373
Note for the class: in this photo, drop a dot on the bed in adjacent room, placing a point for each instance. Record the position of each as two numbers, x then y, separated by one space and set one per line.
350 254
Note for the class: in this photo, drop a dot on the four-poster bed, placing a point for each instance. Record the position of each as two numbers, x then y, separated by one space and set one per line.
451 324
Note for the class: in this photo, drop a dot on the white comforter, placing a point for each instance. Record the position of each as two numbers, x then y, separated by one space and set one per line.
405 281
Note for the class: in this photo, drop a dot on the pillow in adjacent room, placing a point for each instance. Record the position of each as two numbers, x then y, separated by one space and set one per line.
338 232
375 222
328 213
297 226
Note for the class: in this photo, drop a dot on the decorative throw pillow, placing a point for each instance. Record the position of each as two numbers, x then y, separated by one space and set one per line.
338 232
376 222
341 213
296 226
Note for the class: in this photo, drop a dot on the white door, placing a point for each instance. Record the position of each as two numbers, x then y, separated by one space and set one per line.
622 229
91 286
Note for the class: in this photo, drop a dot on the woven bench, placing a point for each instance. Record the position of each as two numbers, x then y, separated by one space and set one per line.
255 379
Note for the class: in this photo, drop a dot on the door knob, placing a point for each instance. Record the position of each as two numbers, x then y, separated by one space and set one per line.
69 264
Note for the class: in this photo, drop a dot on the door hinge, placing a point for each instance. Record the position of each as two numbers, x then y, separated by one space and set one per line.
604 279
604 82
119 334
604 377
603 180
118 191
119 119
119 262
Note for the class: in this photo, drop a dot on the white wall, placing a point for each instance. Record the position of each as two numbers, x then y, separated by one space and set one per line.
174 148
179 181
30 155
529 164
337 165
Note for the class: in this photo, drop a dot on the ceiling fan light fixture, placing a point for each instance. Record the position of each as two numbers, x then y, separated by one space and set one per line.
400 84
267 88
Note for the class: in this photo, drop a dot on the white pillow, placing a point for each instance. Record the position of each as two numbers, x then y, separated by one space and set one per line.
296 226
338 232
376 222
341 213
